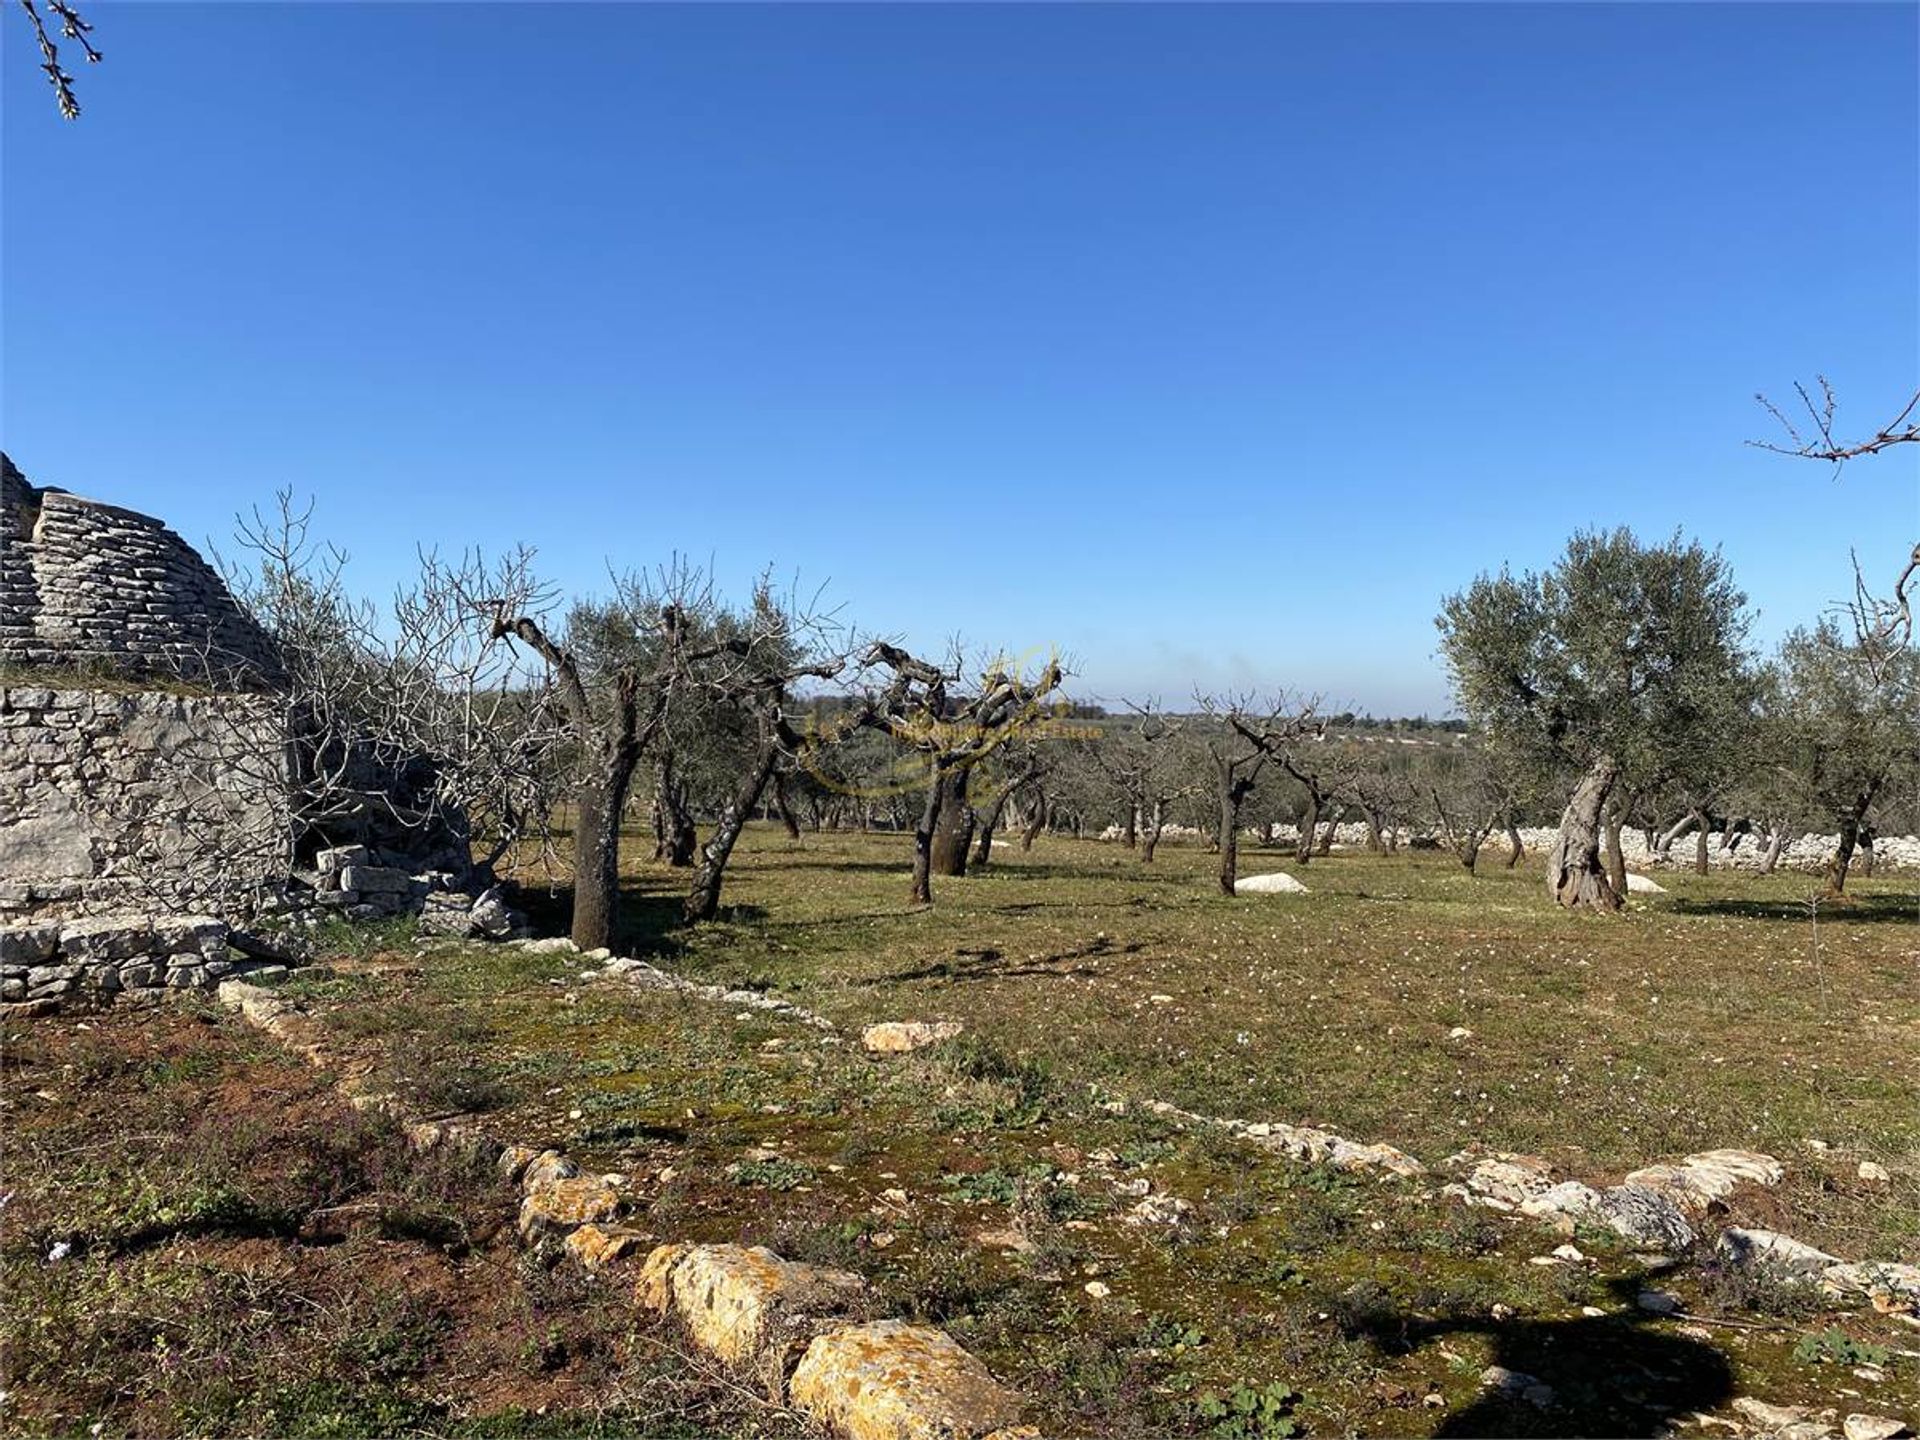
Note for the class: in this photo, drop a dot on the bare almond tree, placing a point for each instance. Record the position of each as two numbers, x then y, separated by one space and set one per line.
1883 624
922 706
72 27
616 697
1250 735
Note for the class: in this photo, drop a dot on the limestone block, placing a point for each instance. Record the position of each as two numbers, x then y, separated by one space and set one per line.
375 880
110 937
888 1380
752 1308
559 1205
28 944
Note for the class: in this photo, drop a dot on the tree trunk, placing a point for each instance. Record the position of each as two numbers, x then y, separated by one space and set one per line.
1776 842
1150 840
1130 831
953 823
1851 822
703 900
671 800
1842 860
1375 843
1515 846
1616 857
1663 847
1705 832
600 798
1575 877
923 838
1309 825
1229 837
1035 825
784 810
1867 856
1326 837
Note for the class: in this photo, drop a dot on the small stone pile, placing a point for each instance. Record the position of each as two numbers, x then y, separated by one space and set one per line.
116 957
362 883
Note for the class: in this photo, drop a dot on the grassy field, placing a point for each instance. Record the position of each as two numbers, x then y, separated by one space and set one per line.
1724 1014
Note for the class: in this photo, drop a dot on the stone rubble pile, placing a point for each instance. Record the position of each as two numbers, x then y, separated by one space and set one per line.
126 958
360 882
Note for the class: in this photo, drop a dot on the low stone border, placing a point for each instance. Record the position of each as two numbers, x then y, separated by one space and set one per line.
641 975
1302 1143
783 1324
94 961
1663 1205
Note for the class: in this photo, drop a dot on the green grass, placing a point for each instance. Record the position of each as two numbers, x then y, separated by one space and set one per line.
1712 1017
1708 1018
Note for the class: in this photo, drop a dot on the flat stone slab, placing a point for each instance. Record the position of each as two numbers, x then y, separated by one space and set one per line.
1774 1254
888 1380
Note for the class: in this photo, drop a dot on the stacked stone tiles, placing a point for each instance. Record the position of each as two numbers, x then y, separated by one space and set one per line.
83 584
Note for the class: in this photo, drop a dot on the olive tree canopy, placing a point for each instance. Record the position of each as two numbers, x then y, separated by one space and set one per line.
1604 666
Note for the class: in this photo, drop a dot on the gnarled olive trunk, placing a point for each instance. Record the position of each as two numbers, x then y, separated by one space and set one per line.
784 810
1701 838
1516 847
1613 822
923 837
1309 825
674 825
1776 842
1575 876
1326 836
1035 824
953 823
1852 821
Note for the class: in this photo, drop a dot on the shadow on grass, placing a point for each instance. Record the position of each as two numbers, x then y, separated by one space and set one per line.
1610 1375
1848 910
647 925
991 964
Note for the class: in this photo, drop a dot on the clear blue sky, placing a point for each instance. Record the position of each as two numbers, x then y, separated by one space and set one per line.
1210 344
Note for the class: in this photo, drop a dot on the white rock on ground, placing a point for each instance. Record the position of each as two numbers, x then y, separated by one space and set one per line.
1278 883
1887 1279
1774 1254
896 1037
1643 885
1872 1427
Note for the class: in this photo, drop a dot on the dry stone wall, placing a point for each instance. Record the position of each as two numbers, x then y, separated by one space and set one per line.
110 800
83 584
117 958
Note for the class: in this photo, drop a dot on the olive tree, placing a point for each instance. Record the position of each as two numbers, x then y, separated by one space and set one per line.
953 727
1600 664
1846 721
